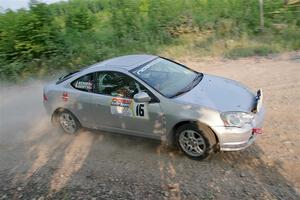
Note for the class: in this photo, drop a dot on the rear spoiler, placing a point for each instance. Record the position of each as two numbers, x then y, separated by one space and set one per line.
259 101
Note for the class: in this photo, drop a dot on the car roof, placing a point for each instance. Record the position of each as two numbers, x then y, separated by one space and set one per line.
126 63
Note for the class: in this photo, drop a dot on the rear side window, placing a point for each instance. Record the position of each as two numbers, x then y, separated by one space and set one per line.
84 83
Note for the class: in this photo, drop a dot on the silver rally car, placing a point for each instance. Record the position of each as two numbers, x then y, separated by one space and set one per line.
154 97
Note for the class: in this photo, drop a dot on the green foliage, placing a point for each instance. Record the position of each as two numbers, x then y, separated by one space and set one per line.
79 18
27 35
72 34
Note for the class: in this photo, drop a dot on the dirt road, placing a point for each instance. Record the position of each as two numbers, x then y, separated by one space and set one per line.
37 162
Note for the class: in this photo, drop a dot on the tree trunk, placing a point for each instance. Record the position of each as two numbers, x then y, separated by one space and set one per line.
261 15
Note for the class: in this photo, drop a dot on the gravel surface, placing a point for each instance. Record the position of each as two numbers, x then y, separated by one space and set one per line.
38 162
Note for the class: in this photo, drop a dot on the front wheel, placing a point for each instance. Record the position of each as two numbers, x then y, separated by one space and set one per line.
192 141
68 122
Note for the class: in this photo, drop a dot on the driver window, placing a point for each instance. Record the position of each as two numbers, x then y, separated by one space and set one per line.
117 85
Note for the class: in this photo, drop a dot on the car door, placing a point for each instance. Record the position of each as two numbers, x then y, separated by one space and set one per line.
116 108
80 99
101 101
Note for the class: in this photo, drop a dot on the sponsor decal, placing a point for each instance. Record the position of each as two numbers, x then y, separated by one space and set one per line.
121 102
143 69
65 96
120 106
83 85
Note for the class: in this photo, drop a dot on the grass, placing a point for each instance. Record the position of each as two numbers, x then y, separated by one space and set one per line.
249 51
209 44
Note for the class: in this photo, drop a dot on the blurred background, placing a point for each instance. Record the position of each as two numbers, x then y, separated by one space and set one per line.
39 38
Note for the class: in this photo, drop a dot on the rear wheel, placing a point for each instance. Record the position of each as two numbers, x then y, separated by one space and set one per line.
194 142
68 122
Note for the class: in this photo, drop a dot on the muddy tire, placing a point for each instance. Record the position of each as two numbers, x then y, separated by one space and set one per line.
67 122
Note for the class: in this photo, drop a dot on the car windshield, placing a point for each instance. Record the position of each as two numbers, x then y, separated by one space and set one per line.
167 77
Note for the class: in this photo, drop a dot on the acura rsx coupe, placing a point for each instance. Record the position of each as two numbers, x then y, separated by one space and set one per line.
154 97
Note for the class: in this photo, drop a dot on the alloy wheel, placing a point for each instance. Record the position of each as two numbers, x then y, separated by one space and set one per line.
192 143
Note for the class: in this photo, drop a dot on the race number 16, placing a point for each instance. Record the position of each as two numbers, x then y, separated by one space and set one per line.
139 110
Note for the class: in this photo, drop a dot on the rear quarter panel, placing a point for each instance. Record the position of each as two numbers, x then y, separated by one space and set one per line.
77 102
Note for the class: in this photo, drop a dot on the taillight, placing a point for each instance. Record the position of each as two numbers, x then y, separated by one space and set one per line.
45 97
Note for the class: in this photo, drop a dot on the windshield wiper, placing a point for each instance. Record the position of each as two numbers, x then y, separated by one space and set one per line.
190 86
184 90
197 79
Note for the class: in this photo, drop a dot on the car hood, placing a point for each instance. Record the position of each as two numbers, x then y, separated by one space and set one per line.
219 94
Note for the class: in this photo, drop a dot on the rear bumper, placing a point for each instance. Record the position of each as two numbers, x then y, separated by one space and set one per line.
234 139
47 107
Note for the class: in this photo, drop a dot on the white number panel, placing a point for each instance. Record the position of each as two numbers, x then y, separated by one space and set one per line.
141 110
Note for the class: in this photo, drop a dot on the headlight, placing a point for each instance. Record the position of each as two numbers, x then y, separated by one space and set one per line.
237 119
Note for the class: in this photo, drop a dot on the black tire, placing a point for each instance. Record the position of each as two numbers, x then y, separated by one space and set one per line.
71 125
204 139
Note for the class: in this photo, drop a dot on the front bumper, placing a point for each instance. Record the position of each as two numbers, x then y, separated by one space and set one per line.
234 139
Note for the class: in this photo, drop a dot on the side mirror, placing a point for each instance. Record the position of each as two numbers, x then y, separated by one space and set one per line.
141 97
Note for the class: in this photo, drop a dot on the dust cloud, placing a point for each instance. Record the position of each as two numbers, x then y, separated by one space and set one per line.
24 122
22 115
